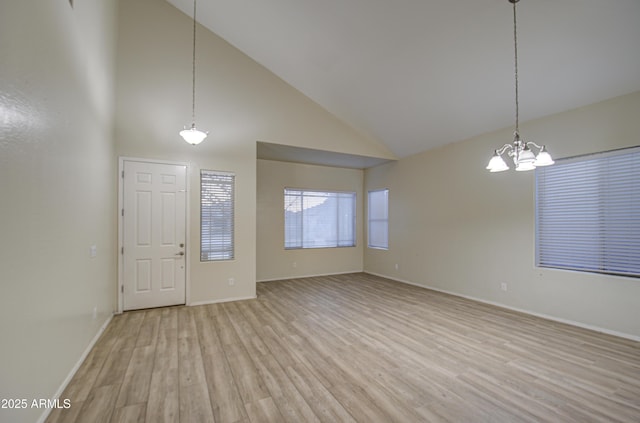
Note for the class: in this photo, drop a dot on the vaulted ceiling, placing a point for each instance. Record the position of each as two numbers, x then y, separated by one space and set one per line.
418 74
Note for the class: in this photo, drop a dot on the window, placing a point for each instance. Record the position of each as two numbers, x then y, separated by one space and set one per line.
588 213
378 233
216 215
319 219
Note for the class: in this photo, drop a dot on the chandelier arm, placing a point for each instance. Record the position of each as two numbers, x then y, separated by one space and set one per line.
534 144
504 148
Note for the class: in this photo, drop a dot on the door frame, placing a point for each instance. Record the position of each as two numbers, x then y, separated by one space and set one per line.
187 281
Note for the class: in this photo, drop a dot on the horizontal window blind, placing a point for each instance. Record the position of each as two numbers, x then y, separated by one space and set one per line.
216 215
319 219
378 210
588 213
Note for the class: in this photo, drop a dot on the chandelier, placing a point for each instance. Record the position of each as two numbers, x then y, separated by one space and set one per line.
520 151
192 135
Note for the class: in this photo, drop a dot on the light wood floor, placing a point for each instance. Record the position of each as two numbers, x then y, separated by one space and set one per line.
352 348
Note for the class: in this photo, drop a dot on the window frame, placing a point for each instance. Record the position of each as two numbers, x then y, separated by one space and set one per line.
380 220
354 228
223 254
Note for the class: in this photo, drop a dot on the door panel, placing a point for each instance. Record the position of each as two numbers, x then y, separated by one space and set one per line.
143 276
154 230
168 218
143 218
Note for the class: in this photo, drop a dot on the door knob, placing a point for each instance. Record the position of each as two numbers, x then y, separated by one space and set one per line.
181 253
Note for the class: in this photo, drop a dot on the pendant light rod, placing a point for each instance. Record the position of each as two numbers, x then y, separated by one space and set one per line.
193 85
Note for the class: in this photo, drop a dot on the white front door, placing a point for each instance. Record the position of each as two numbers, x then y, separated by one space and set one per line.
154 216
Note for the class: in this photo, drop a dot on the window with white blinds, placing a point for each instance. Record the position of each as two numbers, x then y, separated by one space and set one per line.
319 219
588 213
378 210
216 215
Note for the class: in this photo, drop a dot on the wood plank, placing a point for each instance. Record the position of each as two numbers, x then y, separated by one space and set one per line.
195 406
135 386
226 404
264 410
99 406
115 367
291 404
249 382
148 333
163 404
325 406
134 413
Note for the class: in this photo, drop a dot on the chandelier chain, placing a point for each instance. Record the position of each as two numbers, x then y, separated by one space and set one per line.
515 48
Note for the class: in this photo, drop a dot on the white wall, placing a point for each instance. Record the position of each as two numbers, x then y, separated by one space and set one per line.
456 227
237 100
57 190
273 261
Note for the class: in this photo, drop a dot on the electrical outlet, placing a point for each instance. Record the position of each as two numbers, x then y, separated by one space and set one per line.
93 251
396 266
95 312
503 286
294 264
232 281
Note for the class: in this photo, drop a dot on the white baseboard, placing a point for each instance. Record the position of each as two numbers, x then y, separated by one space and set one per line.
520 310
286 278
75 368
225 300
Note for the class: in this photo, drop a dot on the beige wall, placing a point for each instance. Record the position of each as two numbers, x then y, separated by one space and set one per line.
57 190
456 227
273 261
238 101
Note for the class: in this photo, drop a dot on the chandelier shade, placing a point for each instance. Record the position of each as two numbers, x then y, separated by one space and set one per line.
543 158
497 163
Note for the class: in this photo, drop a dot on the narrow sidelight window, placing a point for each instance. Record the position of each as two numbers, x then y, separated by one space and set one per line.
216 215
378 222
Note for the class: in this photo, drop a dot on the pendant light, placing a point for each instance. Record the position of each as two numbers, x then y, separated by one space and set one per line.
520 151
192 135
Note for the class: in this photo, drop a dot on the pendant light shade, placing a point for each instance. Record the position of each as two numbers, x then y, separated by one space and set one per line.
192 135
520 151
